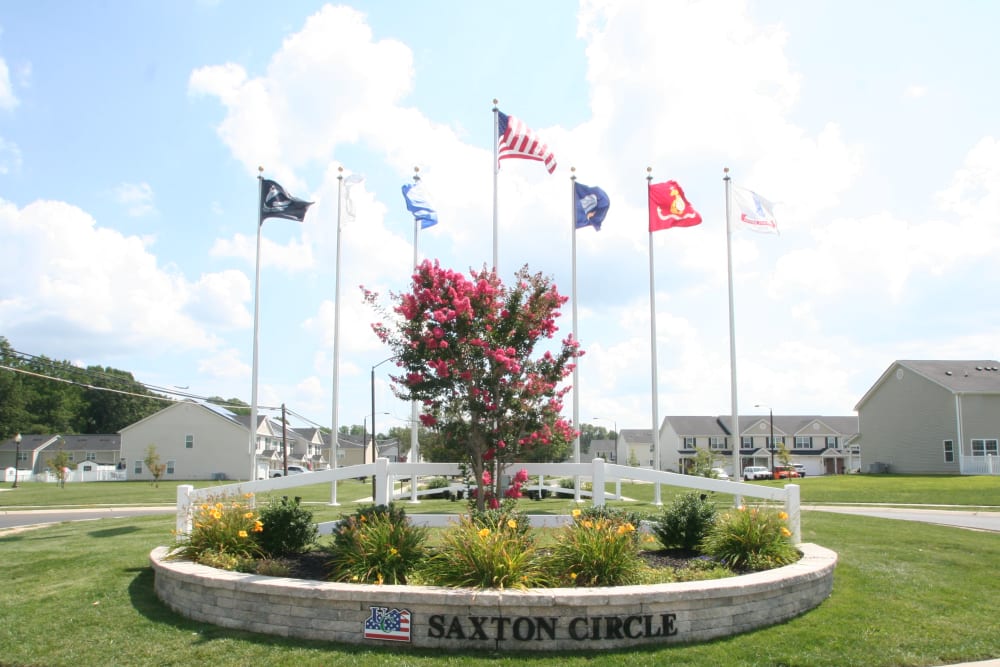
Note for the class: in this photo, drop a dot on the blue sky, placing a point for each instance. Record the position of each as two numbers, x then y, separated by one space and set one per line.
131 133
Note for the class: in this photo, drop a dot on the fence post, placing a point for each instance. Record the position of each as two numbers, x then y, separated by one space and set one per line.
793 511
381 482
183 522
597 482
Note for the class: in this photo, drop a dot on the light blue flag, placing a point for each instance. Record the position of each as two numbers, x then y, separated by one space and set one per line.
416 203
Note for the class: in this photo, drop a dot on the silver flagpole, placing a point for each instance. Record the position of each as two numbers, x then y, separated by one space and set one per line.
414 407
652 346
256 327
576 336
496 171
735 428
335 418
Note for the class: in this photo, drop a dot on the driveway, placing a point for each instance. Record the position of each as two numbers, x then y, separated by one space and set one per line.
970 519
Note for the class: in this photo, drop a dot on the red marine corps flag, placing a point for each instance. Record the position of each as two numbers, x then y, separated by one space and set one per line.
669 208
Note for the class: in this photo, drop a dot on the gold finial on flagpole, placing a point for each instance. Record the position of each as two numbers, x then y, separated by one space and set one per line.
416 174
649 173
572 173
725 173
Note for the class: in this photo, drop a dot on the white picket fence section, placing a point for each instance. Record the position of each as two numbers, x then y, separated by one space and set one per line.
386 473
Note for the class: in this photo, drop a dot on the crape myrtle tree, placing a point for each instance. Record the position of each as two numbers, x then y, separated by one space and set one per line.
466 348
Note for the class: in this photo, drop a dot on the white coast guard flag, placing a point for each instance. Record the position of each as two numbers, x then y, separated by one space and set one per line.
756 213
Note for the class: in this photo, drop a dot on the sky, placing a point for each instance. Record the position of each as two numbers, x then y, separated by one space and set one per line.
131 135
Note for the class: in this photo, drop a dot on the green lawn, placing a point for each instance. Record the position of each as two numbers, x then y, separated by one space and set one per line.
904 593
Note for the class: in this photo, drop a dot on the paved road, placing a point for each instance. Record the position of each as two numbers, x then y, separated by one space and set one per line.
19 518
974 520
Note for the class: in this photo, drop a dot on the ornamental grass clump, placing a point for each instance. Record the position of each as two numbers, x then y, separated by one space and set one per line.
222 534
685 522
599 551
489 549
754 538
376 545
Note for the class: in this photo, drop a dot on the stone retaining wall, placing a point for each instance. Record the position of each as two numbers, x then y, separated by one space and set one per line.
551 619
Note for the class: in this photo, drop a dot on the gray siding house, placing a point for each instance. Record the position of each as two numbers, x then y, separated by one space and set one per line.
938 417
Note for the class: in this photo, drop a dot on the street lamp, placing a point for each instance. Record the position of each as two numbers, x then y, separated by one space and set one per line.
17 457
771 414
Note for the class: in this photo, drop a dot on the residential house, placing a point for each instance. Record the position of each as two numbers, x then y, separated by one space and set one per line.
88 452
635 448
933 417
201 441
603 449
822 444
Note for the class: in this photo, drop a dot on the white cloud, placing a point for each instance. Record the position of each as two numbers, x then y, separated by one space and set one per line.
10 157
137 198
915 91
7 98
81 280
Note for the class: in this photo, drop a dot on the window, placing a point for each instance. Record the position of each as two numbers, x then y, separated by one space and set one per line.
832 441
87 468
188 442
72 456
715 442
779 440
91 456
803 442
949 451
170 467
985 447
138 468
690 442
746 442
652 448
22 457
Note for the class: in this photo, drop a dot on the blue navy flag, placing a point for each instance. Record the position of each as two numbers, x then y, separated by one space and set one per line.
592 205
276 203
416 203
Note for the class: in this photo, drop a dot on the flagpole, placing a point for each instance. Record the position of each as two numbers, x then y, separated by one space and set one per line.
496 171
335 420
414 408
256 327
576 335
735 428
652 345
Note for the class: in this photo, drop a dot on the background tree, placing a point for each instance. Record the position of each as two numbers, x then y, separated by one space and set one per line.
115 401
466 348
702 462
152 462
61 465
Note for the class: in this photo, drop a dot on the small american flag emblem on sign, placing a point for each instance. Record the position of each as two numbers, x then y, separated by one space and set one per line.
388 624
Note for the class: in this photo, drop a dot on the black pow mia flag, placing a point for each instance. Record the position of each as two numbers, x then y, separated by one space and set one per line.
276 203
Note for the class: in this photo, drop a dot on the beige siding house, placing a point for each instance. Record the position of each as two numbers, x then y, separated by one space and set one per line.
937 417
193 440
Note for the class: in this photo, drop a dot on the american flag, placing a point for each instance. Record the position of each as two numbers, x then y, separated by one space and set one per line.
389 624
517 140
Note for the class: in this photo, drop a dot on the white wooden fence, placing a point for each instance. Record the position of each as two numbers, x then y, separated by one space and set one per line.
386 473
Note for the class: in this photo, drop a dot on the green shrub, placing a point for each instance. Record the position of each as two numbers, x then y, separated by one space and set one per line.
219 527
376 545
288 528
272 567
505 517
491 550
600 551
685 522
753 538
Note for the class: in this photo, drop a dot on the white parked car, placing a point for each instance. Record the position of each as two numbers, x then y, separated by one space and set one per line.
756 472
292 470
799 468
719 473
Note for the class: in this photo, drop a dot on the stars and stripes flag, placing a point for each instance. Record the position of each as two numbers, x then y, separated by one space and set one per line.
668 207
388 624
517 140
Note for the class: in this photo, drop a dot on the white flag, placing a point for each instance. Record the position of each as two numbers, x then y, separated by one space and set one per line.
756 213
350 182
